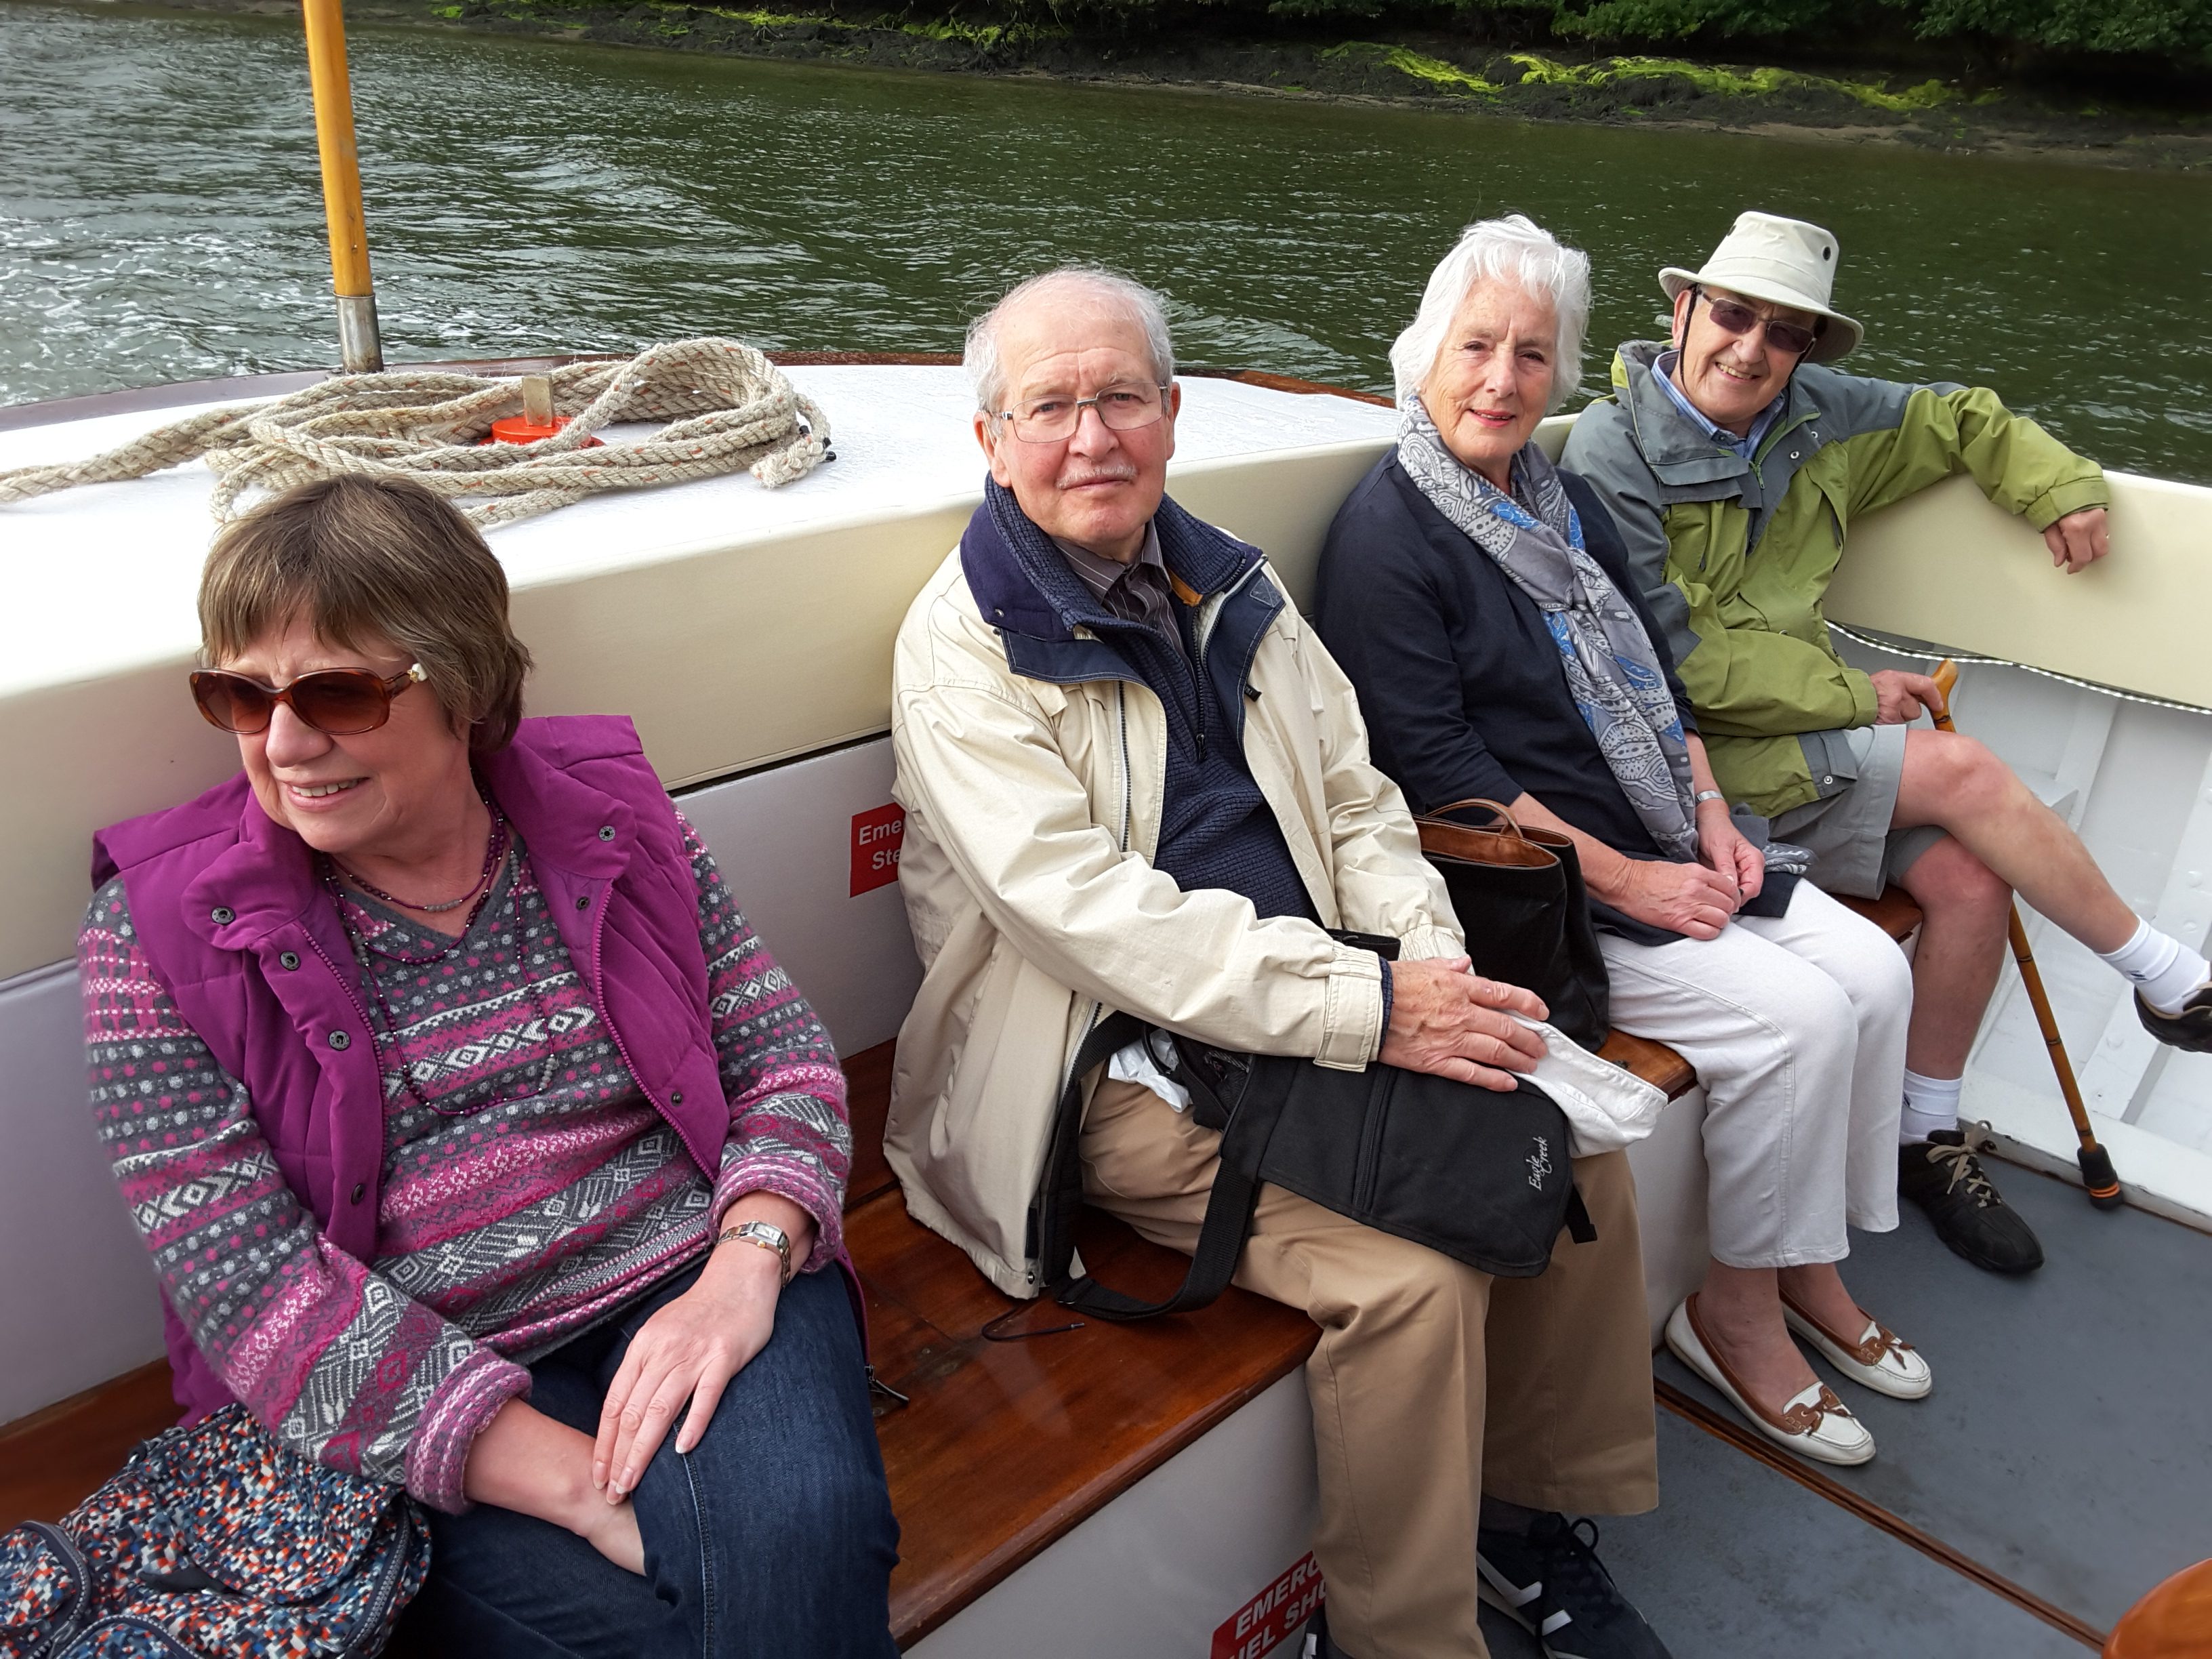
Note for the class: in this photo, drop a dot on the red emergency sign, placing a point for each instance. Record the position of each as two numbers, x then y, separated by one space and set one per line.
876 835
1274 1616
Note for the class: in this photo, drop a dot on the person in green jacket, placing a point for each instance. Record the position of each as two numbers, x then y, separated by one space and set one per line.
1734 459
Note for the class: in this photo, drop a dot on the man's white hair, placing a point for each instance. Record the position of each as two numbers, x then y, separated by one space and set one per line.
1513 249
980 357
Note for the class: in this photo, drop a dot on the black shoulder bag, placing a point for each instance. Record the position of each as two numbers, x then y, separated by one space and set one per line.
1483 1177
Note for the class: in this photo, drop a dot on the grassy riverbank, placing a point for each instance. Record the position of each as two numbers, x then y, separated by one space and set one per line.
1430 68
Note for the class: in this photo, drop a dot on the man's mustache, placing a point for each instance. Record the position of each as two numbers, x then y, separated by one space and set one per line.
1098 475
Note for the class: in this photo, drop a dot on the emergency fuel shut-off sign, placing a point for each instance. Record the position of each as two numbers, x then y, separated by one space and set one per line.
1274 1616
877 835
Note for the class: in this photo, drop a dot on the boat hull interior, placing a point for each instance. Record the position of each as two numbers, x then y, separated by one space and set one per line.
2057 1472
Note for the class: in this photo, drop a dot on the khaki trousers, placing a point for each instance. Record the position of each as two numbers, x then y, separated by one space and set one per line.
1413 1418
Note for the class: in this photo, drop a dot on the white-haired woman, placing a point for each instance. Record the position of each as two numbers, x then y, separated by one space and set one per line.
1479 600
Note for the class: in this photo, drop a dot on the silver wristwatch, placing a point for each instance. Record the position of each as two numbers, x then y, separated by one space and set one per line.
768 1236
1704 795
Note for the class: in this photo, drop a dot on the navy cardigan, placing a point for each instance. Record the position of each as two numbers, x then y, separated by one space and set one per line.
1459 682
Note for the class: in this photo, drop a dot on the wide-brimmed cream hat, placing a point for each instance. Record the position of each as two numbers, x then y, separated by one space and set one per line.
1784 262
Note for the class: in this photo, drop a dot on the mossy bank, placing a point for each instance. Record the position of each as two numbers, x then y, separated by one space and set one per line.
1429 68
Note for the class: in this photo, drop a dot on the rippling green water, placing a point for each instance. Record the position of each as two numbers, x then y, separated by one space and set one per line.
159 218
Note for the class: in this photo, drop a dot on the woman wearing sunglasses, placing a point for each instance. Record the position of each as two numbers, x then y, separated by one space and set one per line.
478 1143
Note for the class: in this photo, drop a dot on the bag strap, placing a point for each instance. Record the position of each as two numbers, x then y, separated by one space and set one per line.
1442 814
1221 1235
1580 1227
1059 1193
1220 1244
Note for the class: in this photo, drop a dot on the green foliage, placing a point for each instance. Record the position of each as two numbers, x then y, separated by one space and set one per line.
1730 83
2179 31
1433 72
1678 20
2176 26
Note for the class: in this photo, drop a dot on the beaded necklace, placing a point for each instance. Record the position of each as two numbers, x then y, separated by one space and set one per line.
494 850
497 849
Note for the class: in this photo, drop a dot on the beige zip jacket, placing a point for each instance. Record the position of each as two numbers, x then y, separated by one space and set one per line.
1033 809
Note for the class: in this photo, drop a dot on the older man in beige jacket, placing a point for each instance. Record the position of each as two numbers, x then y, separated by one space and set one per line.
1135 781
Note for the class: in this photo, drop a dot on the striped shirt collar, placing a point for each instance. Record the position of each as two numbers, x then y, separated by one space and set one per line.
1138 592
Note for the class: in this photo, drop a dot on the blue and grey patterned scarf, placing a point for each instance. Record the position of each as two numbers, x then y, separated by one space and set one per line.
1613 672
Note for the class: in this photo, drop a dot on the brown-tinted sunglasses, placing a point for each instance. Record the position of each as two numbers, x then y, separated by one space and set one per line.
339 703
1736 318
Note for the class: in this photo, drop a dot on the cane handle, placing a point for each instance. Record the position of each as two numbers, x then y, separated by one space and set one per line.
1946 676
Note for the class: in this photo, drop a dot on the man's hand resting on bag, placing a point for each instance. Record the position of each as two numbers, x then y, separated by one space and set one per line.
1455 1024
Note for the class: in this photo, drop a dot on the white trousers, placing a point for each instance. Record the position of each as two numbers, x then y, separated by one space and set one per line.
1795 1025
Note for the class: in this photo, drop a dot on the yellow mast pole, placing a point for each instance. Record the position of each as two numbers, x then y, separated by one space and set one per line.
360 349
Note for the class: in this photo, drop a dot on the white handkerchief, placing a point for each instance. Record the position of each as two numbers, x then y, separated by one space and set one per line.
1135 1062
1606 1108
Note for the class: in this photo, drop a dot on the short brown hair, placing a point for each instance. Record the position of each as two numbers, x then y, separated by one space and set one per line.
364 559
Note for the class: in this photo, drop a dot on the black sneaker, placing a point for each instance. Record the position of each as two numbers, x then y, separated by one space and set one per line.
1550 1581
2190 1029
1946 1179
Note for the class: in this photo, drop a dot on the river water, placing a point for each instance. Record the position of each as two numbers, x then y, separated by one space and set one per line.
160 218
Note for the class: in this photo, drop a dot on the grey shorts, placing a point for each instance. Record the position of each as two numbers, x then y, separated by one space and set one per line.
1854 849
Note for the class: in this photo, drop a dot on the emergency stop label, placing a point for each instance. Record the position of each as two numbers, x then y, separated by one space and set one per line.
877 835
1274 1616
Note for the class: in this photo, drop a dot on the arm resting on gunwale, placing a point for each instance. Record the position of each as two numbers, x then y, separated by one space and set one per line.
1945 429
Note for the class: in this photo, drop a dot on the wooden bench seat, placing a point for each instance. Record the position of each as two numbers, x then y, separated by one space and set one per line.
1000 1448
1004 1446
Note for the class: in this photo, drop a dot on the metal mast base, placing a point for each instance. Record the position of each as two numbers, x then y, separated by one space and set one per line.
361 348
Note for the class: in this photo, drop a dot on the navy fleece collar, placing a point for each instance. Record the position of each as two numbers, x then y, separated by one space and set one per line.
1022 585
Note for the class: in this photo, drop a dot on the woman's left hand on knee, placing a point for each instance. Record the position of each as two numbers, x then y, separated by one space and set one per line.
687 1351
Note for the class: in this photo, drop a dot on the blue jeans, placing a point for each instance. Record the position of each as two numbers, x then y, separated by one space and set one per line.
772 1538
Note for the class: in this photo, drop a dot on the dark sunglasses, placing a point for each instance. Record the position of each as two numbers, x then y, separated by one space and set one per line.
1737 318
339 703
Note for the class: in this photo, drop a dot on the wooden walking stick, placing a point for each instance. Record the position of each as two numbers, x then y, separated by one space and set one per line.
2098 1178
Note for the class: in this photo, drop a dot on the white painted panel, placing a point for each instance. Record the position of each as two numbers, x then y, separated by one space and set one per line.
1948 565
783 838
78 1302
1156 1571
1669 1166
2142 803
739 626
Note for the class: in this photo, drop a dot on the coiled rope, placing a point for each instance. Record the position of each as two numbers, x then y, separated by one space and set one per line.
726 405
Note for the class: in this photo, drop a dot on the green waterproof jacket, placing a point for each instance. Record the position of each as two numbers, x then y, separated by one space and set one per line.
1736 556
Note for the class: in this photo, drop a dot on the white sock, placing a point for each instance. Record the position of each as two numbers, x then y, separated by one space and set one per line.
1930 1103
2160 966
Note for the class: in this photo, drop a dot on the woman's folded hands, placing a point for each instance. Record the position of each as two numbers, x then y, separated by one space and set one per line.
1692 899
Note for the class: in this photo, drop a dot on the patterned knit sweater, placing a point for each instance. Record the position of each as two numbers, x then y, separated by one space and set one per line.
529 1187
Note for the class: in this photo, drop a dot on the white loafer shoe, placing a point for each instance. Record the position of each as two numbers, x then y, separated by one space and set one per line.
1880 1359
1812 1424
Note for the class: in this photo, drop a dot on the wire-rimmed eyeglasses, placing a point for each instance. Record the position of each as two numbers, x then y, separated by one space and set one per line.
1051 419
